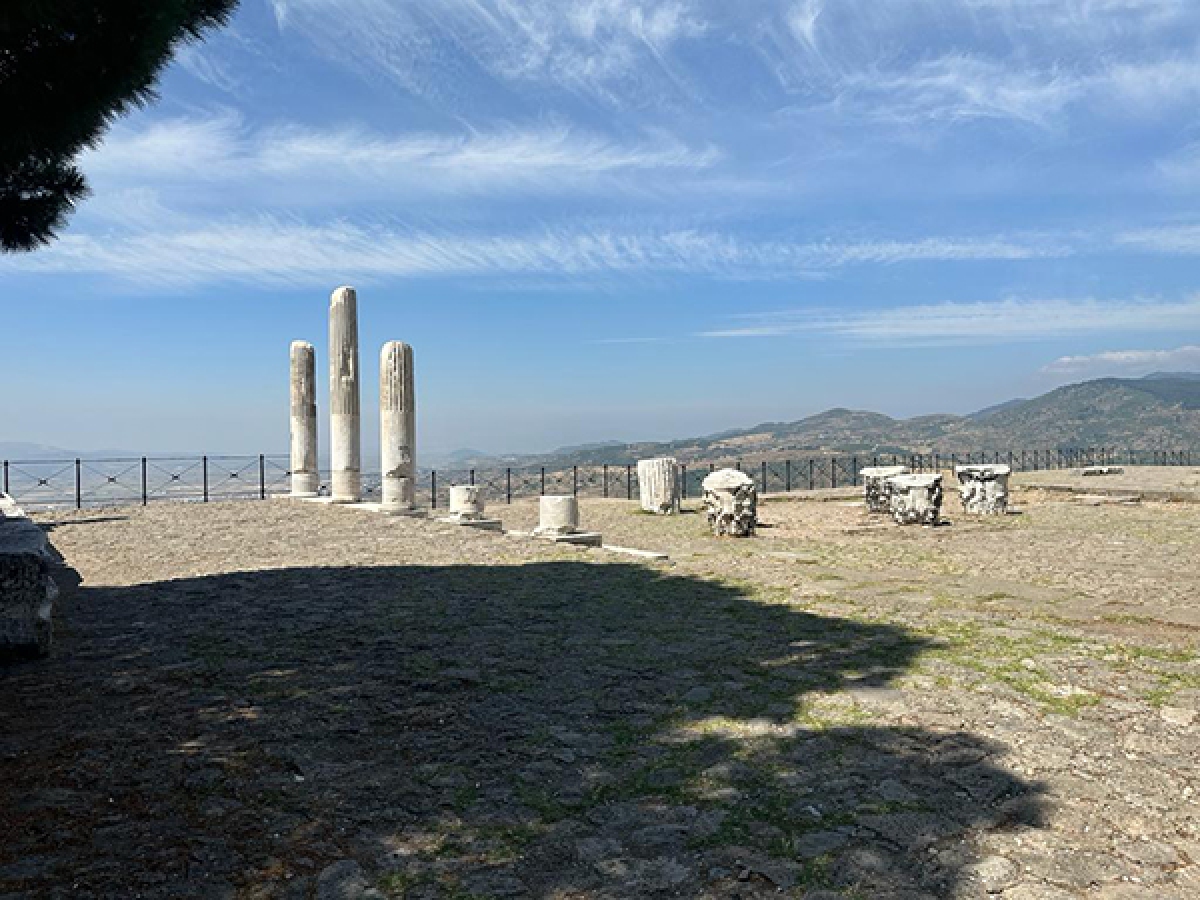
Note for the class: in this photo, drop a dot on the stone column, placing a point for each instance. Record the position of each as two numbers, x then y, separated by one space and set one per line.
345 435
398 428
306 479
658 485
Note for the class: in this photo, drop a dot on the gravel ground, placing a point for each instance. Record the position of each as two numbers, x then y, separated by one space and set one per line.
273 699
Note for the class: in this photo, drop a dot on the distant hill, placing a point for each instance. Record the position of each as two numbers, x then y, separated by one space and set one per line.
1160 411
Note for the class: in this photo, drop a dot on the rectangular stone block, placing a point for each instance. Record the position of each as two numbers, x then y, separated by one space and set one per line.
875 486
916 499
31 576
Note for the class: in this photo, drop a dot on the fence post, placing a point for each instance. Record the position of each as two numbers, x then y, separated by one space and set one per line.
764 476
833 471
6 476
854 471
262 477
628 482
204 475
606 481
78 484
144 496
543 481
433 489
812 485
787 474
683 481
471 476
574 481
508 485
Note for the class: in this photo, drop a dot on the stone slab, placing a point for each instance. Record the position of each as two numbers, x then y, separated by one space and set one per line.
631 551
579 539
481 524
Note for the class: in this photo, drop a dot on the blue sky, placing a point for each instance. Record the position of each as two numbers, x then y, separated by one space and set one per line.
625 219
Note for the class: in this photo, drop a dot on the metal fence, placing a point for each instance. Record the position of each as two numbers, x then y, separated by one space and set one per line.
79 483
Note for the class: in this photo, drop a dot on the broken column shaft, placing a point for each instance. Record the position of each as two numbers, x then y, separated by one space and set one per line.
398 427
306 478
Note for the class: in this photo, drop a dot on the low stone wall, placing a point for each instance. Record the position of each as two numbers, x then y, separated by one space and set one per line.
32 577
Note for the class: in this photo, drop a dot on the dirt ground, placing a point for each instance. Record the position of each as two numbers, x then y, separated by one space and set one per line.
1185 480
284 700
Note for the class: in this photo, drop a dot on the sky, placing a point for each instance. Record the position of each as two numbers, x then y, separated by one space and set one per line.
624 219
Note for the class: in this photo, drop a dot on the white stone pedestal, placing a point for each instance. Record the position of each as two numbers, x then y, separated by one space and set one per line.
467 509
558 521
875 486
983 489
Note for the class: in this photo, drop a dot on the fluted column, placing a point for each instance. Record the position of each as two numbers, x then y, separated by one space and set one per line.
306 478
398 427
345 436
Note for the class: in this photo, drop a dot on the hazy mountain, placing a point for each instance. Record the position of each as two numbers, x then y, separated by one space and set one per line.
1160 411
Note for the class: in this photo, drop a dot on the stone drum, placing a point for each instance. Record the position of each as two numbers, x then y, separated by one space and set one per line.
875 486
558 520
467 508
731 502
916 499
983 489
658 485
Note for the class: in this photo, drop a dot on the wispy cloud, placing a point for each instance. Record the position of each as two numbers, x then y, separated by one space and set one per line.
268 251
219 148
607 49
974 323
1127 362
1181 240
1026 61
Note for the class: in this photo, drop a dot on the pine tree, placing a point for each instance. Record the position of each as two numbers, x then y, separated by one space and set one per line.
68 68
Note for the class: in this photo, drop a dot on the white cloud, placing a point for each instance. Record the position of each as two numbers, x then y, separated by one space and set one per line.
974 323
219 148
1127 362
586 46
909 62
1181 240
269 251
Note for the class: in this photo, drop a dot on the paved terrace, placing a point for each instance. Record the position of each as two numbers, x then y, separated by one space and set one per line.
283 700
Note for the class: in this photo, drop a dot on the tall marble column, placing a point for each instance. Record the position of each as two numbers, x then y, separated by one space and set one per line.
398 428
345 436
306 479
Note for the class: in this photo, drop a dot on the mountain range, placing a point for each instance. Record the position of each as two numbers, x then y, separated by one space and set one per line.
1157 412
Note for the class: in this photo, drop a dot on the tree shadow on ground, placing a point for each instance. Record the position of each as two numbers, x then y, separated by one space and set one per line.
559 729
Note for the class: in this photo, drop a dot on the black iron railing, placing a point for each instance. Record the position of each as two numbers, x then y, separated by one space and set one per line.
79 483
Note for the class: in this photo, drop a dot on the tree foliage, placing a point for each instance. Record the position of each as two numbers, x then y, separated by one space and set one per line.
68 68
